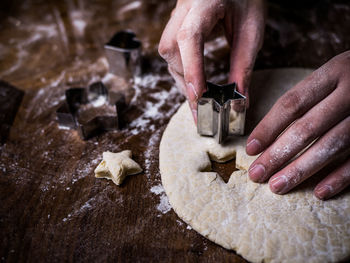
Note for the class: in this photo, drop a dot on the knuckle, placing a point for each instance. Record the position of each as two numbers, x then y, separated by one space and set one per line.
185 33
221 9
342 66
248 69
345 57
172 12
305 131
296 175
165 49
338 67
291 104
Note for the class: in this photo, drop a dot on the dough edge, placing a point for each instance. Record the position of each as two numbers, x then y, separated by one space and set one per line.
171 172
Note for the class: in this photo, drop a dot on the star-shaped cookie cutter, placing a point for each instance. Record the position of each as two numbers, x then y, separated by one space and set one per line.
95 99
221 112
124 54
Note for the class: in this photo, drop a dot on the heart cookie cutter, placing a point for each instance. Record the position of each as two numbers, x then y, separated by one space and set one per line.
124 54
221 112
90 110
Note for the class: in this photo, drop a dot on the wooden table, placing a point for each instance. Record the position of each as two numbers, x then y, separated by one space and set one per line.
52 207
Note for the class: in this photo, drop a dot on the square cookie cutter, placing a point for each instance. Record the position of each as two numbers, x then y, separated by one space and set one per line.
221 112
124 54
90 110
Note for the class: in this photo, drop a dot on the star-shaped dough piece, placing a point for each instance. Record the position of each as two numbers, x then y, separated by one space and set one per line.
116 166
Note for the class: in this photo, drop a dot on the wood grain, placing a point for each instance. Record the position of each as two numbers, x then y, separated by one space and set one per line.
52 207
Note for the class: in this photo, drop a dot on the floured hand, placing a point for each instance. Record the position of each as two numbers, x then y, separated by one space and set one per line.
317 108
191 23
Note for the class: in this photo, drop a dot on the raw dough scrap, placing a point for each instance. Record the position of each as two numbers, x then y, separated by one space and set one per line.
242 215
116 166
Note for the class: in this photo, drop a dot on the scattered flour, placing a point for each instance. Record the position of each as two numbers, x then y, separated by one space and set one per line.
214 45
86 206
149 153
109 76
99 101
78 22
67 218
164 205
157 189
129 7
61 127
179 222
37 33
152 109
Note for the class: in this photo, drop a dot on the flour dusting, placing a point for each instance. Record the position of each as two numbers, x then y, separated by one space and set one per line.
99 101
78 21
129 7
152 110
179 222
157 189
149 154
164 205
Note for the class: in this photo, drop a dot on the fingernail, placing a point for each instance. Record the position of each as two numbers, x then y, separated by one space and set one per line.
194 113
257 172
322 192
278 184
193 107
253 147
192 93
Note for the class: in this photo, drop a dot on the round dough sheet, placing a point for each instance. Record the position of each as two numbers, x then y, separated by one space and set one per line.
242 215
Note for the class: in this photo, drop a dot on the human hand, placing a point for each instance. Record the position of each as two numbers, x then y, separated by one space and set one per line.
318 107
191 22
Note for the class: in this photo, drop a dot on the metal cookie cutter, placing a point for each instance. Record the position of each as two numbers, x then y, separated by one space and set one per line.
124 54
90 110
221 112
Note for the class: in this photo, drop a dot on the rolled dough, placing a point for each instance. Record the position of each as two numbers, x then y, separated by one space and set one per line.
242 215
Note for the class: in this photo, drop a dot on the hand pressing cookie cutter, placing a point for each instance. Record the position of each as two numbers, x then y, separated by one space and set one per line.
221 112
124 54
104 105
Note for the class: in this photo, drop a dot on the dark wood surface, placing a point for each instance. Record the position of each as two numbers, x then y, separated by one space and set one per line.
52 208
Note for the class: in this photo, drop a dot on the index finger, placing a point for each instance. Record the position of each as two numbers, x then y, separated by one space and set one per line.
198 23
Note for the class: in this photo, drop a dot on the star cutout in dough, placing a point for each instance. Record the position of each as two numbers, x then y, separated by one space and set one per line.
116 166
